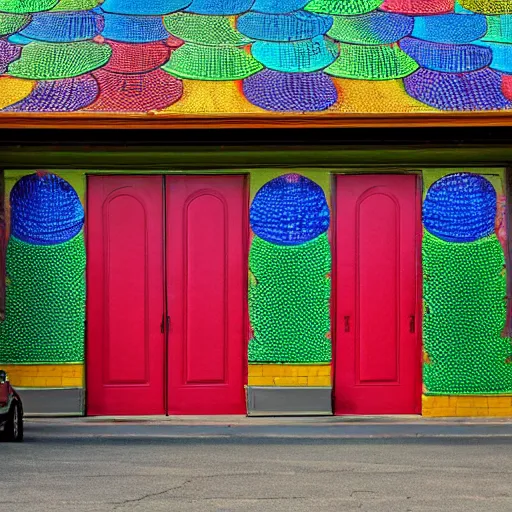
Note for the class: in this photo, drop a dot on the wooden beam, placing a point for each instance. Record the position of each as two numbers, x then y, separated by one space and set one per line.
151 120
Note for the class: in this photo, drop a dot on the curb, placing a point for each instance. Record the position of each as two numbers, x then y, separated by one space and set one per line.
251 421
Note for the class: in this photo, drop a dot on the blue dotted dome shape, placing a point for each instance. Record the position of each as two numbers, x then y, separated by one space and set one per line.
133 29
278 6
450 28
219 7
448 58
293 26
55 27
460 208
45 210
289 210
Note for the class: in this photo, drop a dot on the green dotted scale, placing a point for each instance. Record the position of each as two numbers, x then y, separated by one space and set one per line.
12 23
200 62
464 314
26 6
343 7
289 294
53 61
202 29
76 5
366 62
45 303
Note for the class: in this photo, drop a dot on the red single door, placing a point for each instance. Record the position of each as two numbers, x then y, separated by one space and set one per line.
377 351
125 296
206 283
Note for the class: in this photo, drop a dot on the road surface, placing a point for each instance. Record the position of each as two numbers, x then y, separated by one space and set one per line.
67 466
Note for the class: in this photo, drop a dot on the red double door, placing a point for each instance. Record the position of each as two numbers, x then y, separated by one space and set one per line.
167 274
377 296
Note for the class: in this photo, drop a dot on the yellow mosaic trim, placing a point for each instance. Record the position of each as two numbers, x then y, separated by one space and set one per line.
490 406
46 375
315 375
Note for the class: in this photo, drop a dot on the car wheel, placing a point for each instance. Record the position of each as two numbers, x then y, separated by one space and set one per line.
13 430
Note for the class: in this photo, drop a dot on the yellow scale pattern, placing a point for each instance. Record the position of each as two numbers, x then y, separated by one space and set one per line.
212 97
13 90
376 97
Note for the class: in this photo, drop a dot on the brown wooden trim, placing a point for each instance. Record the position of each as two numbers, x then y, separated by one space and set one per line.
175 121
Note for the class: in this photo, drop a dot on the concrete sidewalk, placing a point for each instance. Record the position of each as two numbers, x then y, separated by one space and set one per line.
333 427
273 420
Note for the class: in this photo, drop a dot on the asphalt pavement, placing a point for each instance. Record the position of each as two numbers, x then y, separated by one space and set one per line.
258 464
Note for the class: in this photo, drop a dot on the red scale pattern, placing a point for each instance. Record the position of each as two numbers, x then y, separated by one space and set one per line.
136 92
419 7
137 58
506 86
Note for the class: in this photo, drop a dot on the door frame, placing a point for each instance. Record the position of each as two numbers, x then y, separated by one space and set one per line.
246 246
418 387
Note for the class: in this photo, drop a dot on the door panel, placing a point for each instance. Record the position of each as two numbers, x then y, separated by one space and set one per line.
206 281
125 303
377 362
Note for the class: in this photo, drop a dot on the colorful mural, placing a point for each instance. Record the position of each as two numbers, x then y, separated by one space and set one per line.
290 265
45 267
255 56
464 289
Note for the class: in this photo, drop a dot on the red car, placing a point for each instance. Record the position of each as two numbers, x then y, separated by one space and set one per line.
11 411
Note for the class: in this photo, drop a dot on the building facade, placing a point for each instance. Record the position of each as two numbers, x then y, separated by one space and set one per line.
161 273
258 291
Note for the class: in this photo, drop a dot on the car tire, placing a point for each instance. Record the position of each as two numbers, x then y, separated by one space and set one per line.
13 429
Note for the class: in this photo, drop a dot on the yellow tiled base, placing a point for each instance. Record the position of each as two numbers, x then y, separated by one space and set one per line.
46 375
467 406
284 375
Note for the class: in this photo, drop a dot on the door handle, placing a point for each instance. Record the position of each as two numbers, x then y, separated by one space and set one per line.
166 324
347 324
412 324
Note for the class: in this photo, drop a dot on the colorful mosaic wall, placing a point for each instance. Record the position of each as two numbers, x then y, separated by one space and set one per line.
464 288
250 56
45 284
289 266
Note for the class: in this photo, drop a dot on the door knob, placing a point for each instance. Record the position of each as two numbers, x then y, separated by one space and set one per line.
412 323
